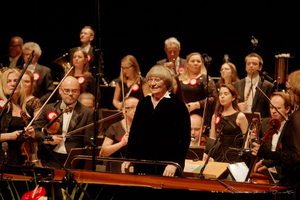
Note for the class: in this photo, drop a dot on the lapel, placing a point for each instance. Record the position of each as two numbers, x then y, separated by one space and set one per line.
76 117
257 93
241 89
280 137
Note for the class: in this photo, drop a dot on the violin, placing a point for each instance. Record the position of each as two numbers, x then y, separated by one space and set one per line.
29 147
257 177
202 141
53 126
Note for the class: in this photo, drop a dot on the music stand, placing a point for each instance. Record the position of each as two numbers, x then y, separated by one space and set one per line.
255 115
195 152
78 164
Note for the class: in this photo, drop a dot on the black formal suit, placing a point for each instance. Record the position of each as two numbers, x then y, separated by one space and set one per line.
81 116
5 61
262 105
44 85
264 127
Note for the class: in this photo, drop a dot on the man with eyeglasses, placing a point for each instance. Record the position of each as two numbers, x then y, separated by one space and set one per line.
216 154
77 116
14 57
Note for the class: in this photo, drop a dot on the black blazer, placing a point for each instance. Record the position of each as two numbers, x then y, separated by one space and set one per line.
81 116
262 105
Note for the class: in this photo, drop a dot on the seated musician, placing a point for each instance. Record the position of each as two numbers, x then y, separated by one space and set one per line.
216 154
247 92
288 154
12 124
282 102
161 129
227 106
134 85
61 143
116 137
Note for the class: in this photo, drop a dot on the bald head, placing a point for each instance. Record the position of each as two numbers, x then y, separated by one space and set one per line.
69 90
196 122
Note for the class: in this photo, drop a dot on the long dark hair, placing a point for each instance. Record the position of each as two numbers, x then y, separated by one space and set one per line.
219 108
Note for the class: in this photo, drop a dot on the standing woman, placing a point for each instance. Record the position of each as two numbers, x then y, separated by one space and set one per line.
161 128
134 84
81 72
12 124
33 104
228 75
194 87
227 106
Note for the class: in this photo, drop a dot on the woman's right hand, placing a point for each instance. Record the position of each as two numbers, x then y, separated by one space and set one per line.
124 140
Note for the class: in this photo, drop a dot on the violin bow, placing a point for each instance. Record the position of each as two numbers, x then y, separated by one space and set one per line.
42 108
123 100
30 57
269 101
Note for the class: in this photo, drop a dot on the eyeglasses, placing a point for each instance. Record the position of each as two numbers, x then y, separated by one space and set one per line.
126 68
68 91
156 80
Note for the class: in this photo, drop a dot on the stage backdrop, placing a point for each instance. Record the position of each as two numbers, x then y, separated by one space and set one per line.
141 27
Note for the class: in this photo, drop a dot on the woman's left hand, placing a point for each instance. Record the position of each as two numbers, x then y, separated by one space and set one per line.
169 170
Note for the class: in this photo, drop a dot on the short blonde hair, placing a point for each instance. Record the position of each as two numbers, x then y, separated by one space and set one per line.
162 72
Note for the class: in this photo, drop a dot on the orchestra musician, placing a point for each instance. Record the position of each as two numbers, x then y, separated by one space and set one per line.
12 124
247 92
160 128
288 154
81 71
33 104
193 84
87 99
172 50
209 143
42 74
282 102
228 75
227 107
134 85
61 143
116 136
86 36
14 57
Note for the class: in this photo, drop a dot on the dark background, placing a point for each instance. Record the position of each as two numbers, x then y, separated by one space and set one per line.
141 27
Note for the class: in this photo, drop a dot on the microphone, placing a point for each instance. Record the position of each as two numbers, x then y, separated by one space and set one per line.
220 117
4 149
265 75
226 58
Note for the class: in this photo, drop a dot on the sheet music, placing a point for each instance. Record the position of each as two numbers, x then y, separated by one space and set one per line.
192 168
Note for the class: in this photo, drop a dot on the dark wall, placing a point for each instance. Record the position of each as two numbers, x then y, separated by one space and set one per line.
140 28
